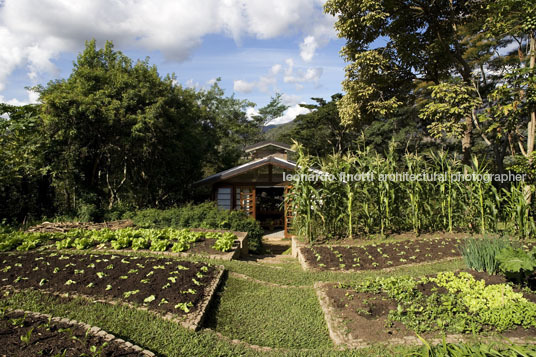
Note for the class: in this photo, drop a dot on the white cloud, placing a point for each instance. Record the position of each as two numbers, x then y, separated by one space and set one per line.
290 99
289 115
251 112
308 48
276 68
33 98
243 86
35 32
300 76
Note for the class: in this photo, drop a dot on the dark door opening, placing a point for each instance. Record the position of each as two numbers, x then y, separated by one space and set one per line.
270 207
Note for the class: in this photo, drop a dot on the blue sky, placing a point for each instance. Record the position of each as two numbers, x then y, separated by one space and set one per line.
256 47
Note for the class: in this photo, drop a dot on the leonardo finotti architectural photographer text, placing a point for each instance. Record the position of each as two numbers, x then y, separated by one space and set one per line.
405 177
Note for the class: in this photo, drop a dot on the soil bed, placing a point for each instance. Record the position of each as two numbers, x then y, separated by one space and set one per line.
160 284
50 338
381 255
363 317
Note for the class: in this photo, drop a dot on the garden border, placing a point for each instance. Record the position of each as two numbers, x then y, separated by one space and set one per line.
93 330
342 340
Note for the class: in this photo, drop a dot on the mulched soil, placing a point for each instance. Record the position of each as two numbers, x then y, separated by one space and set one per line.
365 314
52 339
381 255
117 277
58 227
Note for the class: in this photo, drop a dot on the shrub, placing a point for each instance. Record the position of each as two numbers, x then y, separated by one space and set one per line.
480 253
205 215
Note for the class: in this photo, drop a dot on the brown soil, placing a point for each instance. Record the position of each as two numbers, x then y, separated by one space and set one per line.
52 339
381 255
126 278
57 227
365 314
404 236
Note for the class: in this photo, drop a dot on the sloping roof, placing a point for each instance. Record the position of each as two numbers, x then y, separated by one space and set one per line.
267 143
224 175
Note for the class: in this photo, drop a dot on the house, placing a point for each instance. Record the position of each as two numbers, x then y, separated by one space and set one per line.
258 186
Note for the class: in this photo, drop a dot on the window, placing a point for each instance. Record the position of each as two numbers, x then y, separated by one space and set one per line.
223 197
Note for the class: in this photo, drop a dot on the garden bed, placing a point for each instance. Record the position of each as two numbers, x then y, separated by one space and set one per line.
367 312
377 256
180 288
34 334
213 244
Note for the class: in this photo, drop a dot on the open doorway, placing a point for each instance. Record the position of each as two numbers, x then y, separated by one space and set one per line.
270 207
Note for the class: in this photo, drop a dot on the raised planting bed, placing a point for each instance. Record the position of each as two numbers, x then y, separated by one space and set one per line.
459 306
377 256
180 289
215 244
34 334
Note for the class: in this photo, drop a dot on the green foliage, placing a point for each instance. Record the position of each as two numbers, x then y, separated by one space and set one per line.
517 264
224 242
205 215
153 239
502 349
480 253
467 306
377 195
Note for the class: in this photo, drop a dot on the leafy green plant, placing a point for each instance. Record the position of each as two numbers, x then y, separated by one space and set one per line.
480 253
224 242
517 264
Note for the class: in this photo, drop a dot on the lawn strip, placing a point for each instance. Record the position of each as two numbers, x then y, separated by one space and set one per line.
270 316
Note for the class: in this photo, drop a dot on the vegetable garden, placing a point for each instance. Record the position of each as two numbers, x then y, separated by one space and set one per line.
158 240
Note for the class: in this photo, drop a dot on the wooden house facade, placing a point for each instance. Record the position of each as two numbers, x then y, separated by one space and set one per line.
258 186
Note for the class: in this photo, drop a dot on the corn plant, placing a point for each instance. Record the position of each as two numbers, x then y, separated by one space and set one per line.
517 209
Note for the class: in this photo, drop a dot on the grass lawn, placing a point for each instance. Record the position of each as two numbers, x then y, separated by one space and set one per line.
270 316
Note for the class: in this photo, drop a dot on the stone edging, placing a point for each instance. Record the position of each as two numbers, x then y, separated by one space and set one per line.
333 322
342 340
192 322
93 330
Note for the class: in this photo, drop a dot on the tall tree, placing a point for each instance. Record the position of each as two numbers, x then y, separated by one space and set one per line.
422 41
25 177
121 133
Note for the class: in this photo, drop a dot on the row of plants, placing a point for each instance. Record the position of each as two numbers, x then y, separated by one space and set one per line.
458 303
361 203
176 240
38 336
381 255
500 255
160 284
205 215
494 349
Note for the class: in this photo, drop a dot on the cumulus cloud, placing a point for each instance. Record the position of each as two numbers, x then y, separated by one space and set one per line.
33 98
289 115
308 48
266 83
300 76
35 32
243 86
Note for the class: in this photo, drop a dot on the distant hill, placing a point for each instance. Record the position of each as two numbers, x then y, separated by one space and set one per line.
280 132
